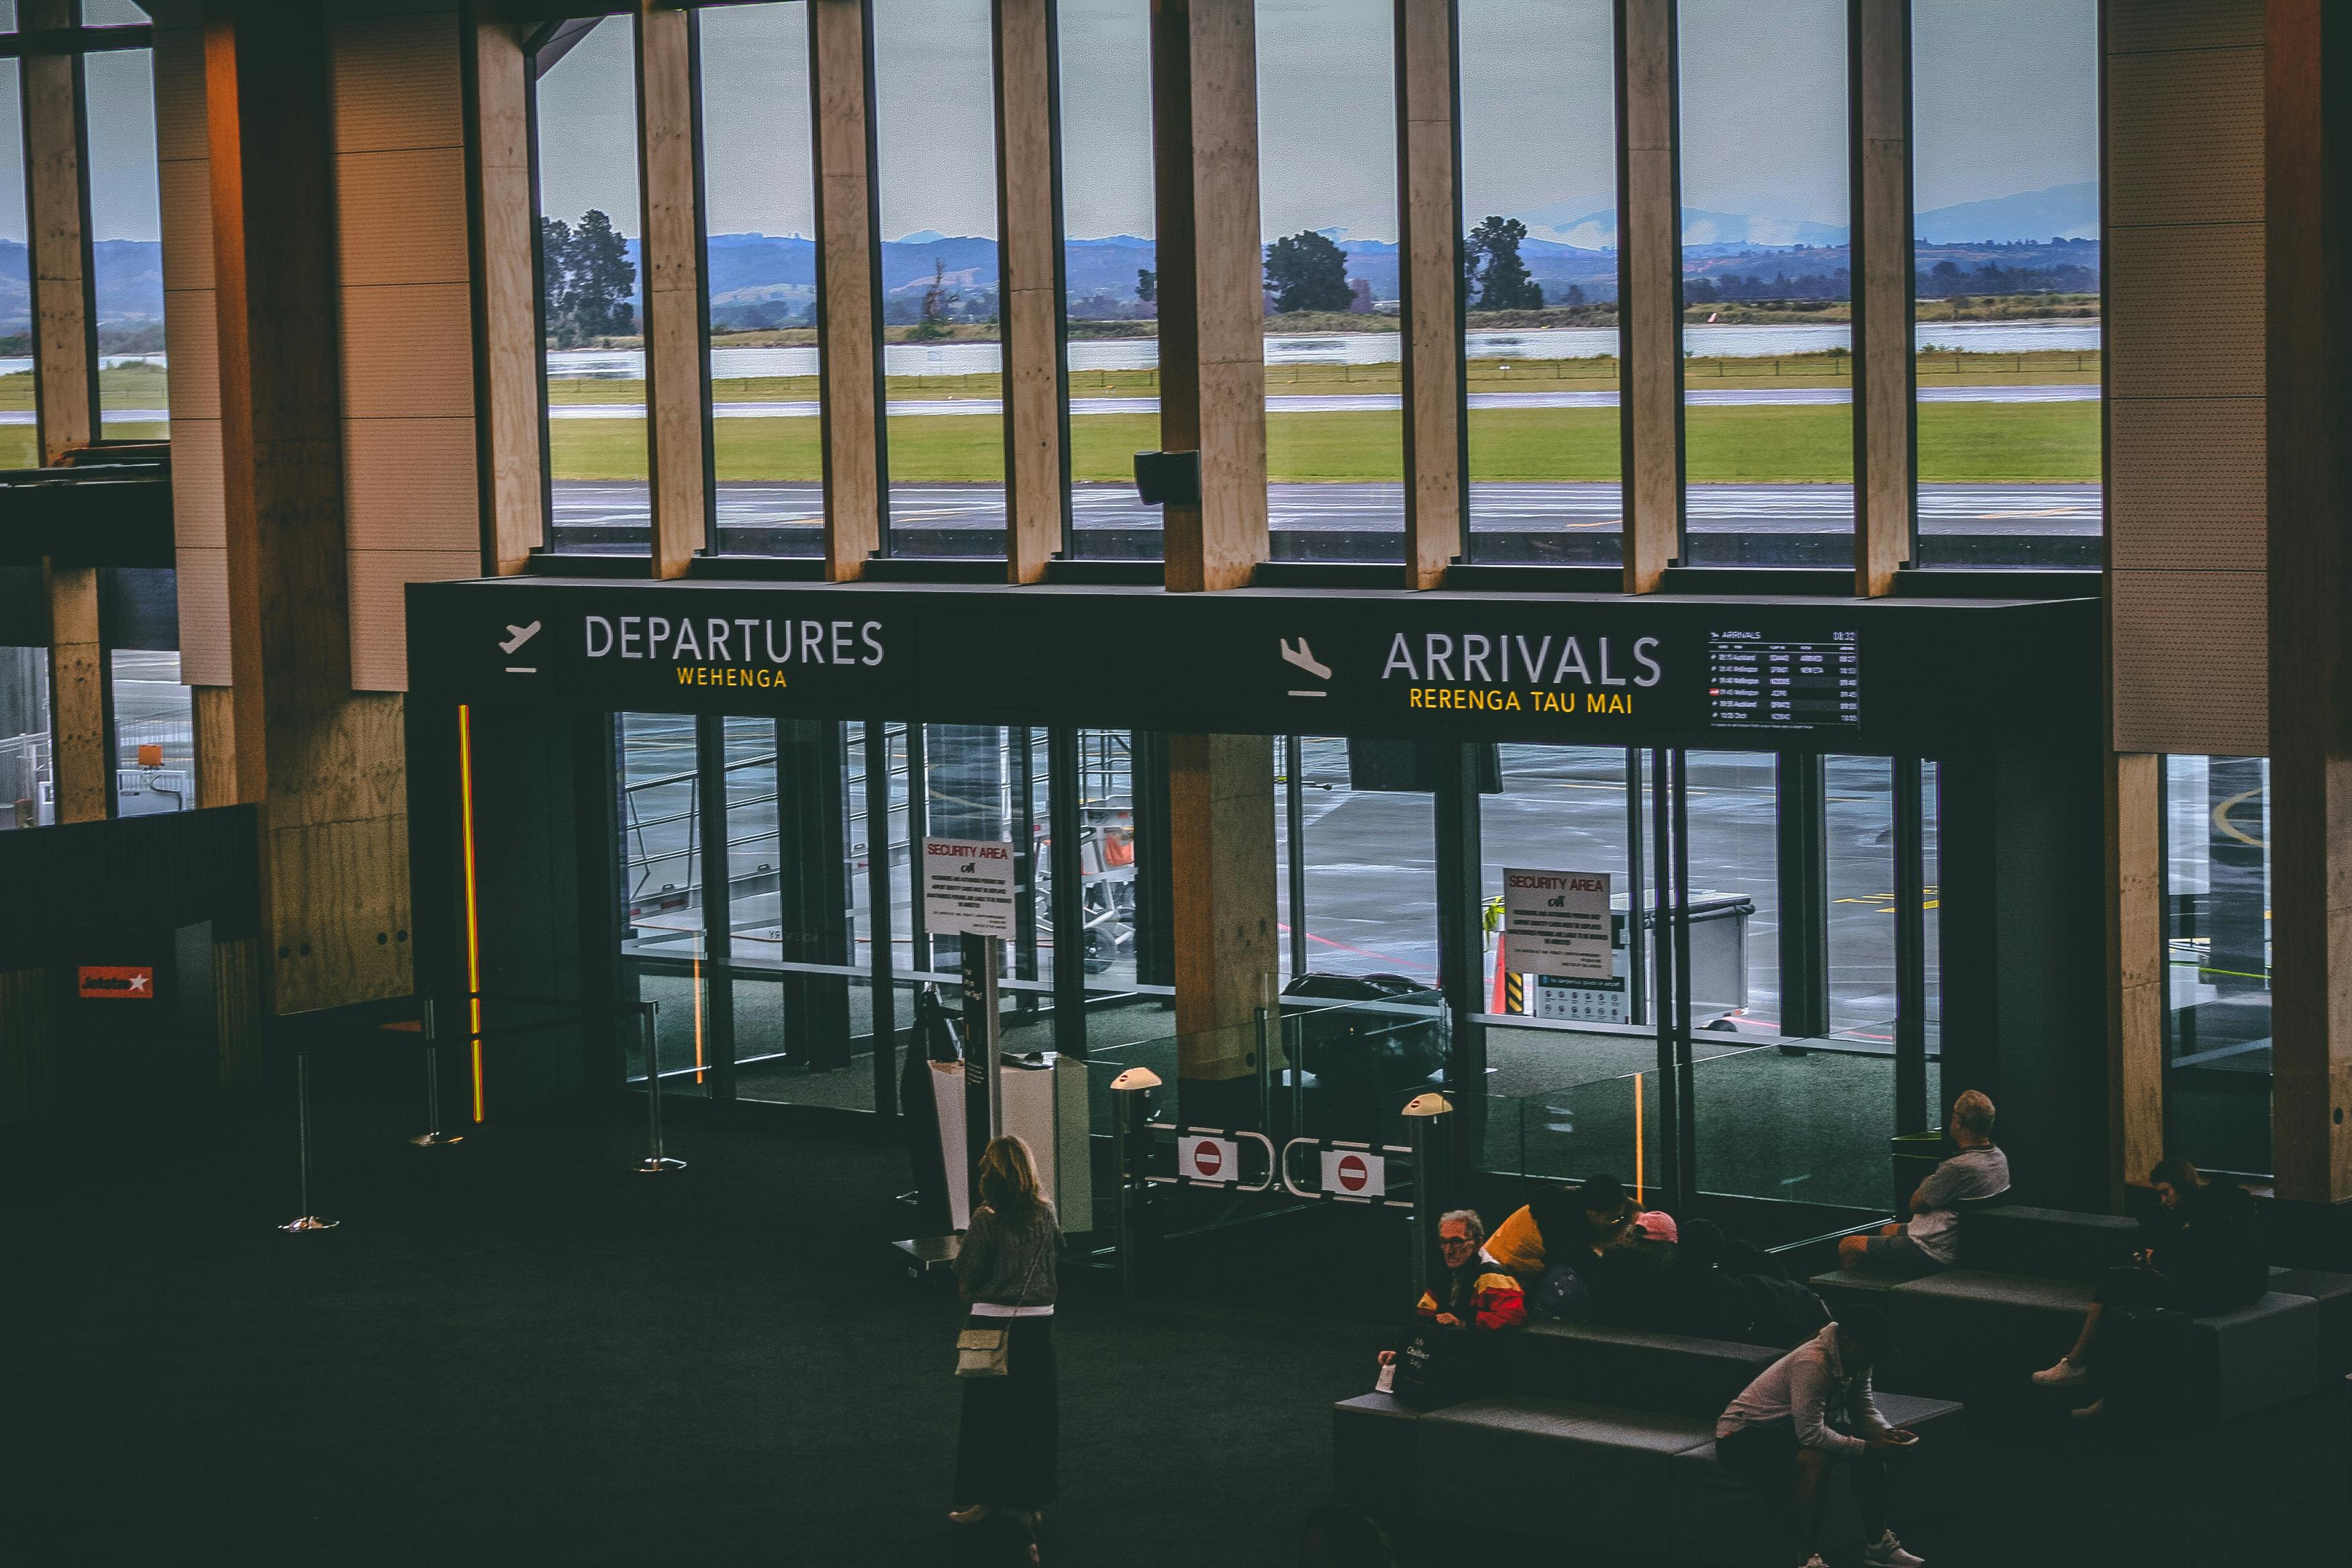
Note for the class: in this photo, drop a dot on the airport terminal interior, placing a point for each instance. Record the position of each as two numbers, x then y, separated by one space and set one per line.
1352 783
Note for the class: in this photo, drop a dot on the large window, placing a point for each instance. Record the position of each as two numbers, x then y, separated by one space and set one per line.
2005 148
1110 271
662 894
585 136
1539 177
1767 359
1328 196
1367 854
27 794
2218 946
759 199
154 733
126 244
936 172
20 446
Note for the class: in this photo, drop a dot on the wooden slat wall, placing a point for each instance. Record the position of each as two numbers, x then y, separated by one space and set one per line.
1649 290
849 285
412 495
1429 198
28 1046
669 187
507 353
1029 290
1885 370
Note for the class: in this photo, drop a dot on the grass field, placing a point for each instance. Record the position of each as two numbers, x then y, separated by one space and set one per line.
1958 442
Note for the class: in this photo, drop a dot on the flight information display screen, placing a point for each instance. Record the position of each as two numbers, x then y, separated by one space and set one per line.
1758 681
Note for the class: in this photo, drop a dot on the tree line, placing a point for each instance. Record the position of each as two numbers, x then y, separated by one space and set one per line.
588 282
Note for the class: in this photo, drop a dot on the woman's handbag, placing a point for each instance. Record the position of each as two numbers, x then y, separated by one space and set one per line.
987 1352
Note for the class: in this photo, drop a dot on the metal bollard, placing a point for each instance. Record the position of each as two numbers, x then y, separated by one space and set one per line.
1264 1019
656 1162
433 1137
307 1220
1128 1113
1423 1129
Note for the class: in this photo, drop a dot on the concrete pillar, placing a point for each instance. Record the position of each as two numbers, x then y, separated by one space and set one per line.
849 286
1212 287
1030 285
1885 370
670 160
1649 290
1429 200
2308 179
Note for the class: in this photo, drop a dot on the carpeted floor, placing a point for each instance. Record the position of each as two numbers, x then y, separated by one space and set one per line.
519 1351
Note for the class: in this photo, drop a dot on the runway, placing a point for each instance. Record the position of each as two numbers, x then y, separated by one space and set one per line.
2011 509
1347 402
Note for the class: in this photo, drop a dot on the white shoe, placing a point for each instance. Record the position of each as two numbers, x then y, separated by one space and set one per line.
1888 1552
2091 1410
1815 1561
2066 1374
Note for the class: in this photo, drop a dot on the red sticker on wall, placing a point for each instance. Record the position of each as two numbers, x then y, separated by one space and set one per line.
116 981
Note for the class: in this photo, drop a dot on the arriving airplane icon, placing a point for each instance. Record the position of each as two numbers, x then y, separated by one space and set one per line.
522 635
1304 658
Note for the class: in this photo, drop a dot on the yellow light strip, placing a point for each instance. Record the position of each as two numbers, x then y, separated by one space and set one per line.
473 906
698 1012
1638 1182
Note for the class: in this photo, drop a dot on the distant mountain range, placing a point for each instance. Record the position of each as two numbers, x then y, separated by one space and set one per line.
758 280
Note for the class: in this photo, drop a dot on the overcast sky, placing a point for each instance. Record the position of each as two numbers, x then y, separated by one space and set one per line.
2005 101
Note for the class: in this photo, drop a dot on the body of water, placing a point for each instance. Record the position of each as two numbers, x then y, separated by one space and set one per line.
1356 348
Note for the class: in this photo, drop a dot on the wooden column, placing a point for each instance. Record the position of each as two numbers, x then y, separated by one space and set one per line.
65 329
1649 290
505 334
849 287
1030 285
669 187
1878 122
2308 177
323 764
1429 204
2135 973
1227 943
1212 285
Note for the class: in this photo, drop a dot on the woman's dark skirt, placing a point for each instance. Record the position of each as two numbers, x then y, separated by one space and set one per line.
1006 1456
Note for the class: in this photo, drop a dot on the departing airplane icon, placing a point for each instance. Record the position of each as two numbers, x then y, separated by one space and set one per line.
522 635
1304 658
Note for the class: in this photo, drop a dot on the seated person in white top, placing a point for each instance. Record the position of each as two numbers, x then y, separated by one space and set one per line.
1932 1239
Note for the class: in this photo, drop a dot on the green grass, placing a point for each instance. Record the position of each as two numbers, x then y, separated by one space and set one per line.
137 385
1958 442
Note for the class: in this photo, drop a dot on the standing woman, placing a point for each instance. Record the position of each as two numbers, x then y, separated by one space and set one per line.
1005 1458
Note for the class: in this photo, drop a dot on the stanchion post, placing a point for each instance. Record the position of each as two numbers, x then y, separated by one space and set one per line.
1129 1111
656 1160
433 1137
1424 1128
1265 1071
306 1220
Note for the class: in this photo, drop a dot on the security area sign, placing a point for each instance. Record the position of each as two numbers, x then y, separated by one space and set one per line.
1557 923
968 886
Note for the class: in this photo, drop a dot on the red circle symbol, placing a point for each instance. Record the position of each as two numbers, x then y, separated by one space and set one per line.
1206 1158
1352 1173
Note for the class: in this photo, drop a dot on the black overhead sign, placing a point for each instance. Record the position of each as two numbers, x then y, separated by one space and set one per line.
1844 676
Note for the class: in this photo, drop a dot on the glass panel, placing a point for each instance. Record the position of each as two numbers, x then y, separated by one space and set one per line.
1859 813
662 894
1931 878
1561 808
586 132
1369 851
127 252
2218 1035
155 734
759 195
781 1006
1539 182
1806 1127
1104 789
1735 892
111 13
1110 268
1327 194
19 445
26 788
2005 158
1767 345
935 97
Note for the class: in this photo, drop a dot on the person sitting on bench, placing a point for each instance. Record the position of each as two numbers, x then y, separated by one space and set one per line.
1556 1235
1811 1410
1970 1179
1474 1293
2202 1255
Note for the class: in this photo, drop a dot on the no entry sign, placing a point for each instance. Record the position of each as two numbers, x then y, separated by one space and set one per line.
1201 1159
1353 1173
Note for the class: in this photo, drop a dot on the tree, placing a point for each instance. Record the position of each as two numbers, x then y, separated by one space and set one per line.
936 300
1574 297
1504 283
1147 285
603 278
1304 271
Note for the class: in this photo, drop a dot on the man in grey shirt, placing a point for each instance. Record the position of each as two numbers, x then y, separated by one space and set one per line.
1977 1173
1810 1410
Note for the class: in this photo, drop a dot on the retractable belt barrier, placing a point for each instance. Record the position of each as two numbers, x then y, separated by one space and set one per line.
1351 1171
1211 1157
